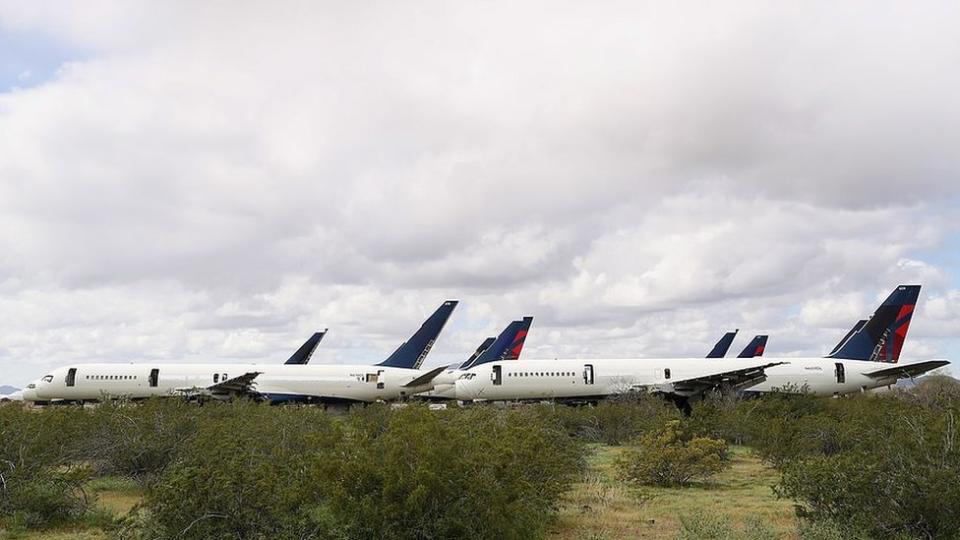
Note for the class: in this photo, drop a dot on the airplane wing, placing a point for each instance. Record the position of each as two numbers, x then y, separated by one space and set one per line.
426 377
237 386
906 371
736 380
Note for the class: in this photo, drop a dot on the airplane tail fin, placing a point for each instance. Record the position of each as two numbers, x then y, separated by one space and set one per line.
754 348
411 353
882 337
305 352
483 346
856 328
511 338
722 346
516 346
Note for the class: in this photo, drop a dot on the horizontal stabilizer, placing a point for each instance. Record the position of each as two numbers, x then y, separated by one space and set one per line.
426 377
907 371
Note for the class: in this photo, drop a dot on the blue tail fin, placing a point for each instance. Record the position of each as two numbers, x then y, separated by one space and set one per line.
754 348
303 354
505 343
483 346
412 352
856 328
882 337
722 346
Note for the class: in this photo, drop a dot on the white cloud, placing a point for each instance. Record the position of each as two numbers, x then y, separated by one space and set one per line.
220 180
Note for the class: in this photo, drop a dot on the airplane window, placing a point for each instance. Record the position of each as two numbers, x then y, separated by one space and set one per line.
31 386
666 373
47 378
216 378
224 376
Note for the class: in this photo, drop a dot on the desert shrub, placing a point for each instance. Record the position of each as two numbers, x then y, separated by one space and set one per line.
615 420
139 439
475 473
253 471
41 476
894 473
249 472
667 458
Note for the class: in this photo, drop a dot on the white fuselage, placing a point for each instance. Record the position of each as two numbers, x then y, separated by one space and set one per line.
584 379
276 382
571 379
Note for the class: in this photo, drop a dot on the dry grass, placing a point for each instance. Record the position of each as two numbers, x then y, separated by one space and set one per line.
602 507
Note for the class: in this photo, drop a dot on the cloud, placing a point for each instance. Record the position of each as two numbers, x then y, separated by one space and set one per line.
218 181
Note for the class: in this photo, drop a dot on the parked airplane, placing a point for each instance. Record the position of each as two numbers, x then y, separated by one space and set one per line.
754 348
856 363
720 349
679 379
507 346
394 377
853 367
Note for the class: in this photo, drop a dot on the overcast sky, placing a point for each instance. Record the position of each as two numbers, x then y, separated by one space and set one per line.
213 181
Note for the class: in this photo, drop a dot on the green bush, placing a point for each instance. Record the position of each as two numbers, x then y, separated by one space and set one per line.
475 473
42 475
254 471
139 439
665 458
250 471
613 421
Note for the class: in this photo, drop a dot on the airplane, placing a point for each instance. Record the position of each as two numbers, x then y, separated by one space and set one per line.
301 356
507 346
399 375
754 348
856 363
852 367
720 349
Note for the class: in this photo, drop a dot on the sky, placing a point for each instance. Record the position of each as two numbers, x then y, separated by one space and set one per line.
214 181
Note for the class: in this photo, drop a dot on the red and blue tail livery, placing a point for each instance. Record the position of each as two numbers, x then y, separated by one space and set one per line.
507 346
516 347
754 348
881 338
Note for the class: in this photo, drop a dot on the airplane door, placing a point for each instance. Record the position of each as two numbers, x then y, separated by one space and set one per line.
497 375
588 374
381 375
840 373
154 377
71 377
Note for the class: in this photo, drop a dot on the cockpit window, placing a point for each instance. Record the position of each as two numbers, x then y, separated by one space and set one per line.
47 378
31 386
